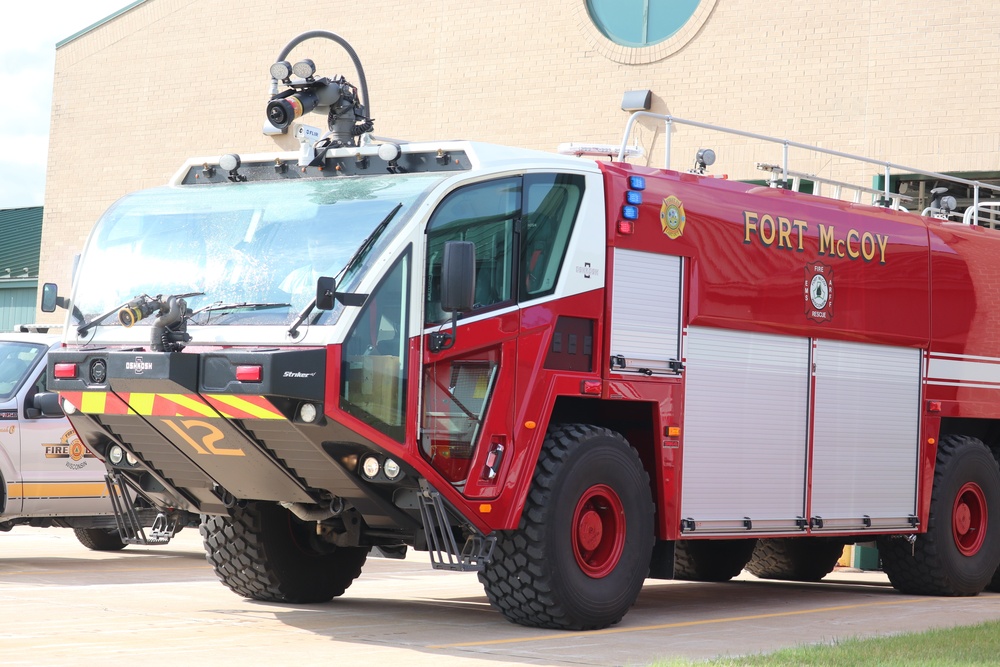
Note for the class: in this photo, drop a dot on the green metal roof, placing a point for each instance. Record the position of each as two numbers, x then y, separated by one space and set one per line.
21 231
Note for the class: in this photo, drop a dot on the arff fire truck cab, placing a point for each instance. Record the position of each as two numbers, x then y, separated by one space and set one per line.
567 375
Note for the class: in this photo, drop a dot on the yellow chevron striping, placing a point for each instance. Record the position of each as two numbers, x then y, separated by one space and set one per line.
191 404
141 403
246 406
92 402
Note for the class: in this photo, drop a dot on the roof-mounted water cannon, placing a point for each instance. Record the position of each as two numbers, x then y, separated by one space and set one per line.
348 112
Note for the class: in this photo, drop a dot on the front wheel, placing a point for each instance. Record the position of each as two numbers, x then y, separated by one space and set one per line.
579 557
262 551
960 552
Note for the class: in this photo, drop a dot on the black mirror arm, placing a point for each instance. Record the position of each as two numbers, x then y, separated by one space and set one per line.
441 340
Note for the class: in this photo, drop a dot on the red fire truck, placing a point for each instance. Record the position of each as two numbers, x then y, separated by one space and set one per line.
564 374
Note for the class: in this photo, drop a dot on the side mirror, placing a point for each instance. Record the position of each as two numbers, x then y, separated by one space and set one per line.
458 289
326 294
50 297
458 276
47 403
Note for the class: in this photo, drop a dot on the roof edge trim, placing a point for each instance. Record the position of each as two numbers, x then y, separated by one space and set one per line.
107 18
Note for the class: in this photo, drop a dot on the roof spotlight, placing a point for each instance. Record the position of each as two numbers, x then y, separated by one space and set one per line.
281 70
230 162
705 157
304 69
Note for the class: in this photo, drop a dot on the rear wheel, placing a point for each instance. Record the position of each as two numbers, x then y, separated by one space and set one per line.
711 560
100 539
582 550
263 552
795 558
960 552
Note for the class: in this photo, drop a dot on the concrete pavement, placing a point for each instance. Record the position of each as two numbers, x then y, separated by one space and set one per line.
65 605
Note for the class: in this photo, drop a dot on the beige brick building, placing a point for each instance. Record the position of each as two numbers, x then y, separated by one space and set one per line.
165 80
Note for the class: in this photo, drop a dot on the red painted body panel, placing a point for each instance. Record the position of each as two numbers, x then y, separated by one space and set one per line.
749 248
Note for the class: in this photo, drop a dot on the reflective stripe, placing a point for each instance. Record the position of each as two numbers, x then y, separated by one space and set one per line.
173 405
244 407
57 490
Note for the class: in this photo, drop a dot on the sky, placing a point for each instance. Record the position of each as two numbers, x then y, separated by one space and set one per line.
28 35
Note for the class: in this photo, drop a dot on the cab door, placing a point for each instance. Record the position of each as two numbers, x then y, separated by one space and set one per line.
59 476
467 386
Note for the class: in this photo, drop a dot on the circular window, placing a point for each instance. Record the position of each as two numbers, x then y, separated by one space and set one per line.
636 32
640 22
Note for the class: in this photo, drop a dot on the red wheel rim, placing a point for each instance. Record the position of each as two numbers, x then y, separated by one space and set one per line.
598 531
968 519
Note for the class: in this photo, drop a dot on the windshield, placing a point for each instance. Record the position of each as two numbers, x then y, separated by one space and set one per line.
250 253
16 360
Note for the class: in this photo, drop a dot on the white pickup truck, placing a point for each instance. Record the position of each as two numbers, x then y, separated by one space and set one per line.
47 476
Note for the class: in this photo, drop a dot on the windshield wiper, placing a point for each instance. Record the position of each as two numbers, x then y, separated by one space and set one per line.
359 254
238 305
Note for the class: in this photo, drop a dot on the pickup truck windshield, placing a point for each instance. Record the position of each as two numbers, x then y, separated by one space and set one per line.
16 360
262 244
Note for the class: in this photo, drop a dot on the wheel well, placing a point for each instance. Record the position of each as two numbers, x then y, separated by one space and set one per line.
987 430
633 419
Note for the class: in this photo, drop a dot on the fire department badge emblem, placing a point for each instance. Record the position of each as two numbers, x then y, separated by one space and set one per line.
71 448
818 292
672 217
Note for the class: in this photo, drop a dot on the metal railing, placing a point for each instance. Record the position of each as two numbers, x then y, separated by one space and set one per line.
888 198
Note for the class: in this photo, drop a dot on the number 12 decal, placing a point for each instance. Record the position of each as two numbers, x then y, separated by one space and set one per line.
205 444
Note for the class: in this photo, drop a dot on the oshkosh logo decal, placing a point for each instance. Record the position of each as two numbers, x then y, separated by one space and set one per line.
138 366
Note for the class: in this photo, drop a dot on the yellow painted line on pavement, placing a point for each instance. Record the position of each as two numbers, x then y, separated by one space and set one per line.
686 624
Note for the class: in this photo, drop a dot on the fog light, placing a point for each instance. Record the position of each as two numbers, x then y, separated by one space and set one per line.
391 469
308 412
116 454
370 467
131 460
68 407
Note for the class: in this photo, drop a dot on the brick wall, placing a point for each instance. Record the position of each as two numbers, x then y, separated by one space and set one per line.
171 79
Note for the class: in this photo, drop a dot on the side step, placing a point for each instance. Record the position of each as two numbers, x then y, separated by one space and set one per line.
130 528
441 543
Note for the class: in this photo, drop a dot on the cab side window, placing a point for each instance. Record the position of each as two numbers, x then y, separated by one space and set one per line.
486 214
551 203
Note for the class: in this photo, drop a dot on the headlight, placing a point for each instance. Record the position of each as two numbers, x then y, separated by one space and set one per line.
116 454
391 469
370 467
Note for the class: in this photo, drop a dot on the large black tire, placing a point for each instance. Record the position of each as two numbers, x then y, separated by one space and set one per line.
960 552
580 555
711 560
100 539
795 558
263 552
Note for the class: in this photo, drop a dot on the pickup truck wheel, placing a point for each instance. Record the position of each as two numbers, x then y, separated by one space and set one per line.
263 552
580 555
795 558
100 539
960 552
711 560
